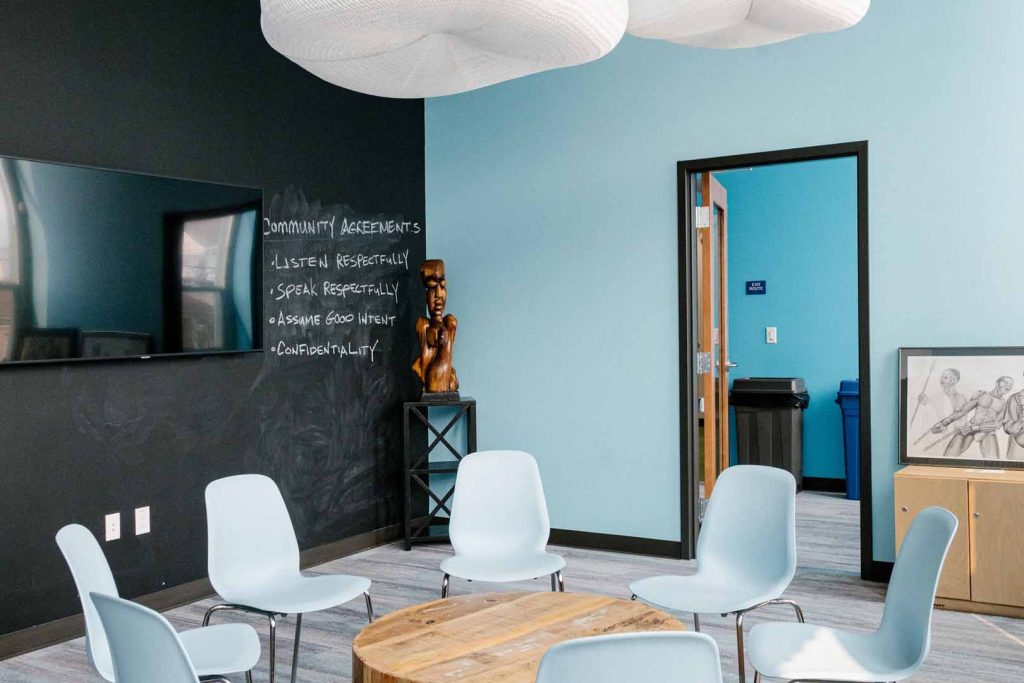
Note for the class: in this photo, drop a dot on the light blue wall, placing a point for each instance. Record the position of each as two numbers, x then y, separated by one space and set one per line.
553 200
795 225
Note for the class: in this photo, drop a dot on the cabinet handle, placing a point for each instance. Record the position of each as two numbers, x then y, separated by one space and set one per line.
905 509
977 515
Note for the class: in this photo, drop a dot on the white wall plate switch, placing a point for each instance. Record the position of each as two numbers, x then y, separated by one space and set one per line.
771 335
112 526
141 521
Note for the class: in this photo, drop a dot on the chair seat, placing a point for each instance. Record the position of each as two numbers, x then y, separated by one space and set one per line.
503 569
705 594
808 652
298 594
222 649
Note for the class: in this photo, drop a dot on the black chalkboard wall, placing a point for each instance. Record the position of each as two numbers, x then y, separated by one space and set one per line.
190 89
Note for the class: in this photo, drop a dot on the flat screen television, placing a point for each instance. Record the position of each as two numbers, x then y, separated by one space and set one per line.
106 264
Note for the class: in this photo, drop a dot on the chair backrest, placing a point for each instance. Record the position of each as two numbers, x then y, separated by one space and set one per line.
907 618
92 574
250 538
143 646
653 657
750 525
498 507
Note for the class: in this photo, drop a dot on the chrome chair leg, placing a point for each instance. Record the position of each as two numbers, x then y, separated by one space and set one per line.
740 655
369 607
561 581
271 617
444 586
248 676
696 622
223 607
273 645
295 650
554 585
757 677
791 603
633 597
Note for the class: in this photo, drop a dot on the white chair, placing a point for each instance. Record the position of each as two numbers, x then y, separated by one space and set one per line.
214 651
499 527
144 648
896 650
746 551
645 657
253 559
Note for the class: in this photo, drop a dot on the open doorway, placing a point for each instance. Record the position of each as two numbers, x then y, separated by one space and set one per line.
759 297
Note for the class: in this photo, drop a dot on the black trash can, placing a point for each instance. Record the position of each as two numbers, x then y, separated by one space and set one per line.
770 422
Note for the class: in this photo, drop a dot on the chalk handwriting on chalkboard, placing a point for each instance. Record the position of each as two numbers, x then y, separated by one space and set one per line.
338 279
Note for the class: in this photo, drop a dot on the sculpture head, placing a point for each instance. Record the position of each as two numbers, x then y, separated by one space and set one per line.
432 273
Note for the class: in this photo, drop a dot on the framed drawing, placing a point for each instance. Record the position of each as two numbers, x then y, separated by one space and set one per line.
962 406
99 344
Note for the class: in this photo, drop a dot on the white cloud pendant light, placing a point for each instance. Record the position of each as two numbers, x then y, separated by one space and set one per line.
740 23
428 48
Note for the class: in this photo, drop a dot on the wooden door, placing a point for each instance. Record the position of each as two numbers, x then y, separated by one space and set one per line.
997 542
913 494
713 328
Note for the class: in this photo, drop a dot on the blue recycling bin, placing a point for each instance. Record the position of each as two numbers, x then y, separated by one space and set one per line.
848 399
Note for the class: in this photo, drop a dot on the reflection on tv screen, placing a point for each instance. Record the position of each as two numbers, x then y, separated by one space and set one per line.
105 264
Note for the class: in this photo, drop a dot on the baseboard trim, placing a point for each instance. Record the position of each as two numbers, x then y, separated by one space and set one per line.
825 484
620 544
880 572
68 628
955 605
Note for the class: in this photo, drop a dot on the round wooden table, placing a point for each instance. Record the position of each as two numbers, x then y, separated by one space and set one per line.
489 637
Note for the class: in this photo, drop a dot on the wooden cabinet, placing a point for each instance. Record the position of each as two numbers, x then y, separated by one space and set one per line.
984 570
914 494
997 542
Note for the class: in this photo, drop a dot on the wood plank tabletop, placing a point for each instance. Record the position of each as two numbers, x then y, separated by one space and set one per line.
489 637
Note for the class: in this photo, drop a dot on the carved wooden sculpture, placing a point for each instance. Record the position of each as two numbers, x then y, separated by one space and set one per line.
437 336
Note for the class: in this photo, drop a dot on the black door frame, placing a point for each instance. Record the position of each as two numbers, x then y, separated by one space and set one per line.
688 414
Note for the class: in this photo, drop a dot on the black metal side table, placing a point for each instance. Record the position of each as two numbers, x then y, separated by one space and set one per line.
418 467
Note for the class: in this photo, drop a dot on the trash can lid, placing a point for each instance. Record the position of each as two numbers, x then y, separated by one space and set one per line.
849 387
769 385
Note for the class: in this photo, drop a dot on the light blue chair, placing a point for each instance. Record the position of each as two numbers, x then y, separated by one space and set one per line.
144 648
746 552
499 527
653 657
893 652
253 560
225 649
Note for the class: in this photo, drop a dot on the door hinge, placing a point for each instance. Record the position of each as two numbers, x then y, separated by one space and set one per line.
702 219
704 362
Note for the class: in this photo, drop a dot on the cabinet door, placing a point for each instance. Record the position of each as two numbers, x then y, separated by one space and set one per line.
997 542
913 494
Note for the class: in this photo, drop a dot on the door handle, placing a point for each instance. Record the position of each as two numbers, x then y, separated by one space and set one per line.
730 365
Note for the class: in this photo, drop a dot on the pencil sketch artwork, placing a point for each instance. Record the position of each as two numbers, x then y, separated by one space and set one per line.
963 407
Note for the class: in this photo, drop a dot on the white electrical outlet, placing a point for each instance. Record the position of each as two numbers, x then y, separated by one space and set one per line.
771 335
112 526
141 521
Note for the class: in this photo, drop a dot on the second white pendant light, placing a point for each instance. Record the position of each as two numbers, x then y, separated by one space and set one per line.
740 23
